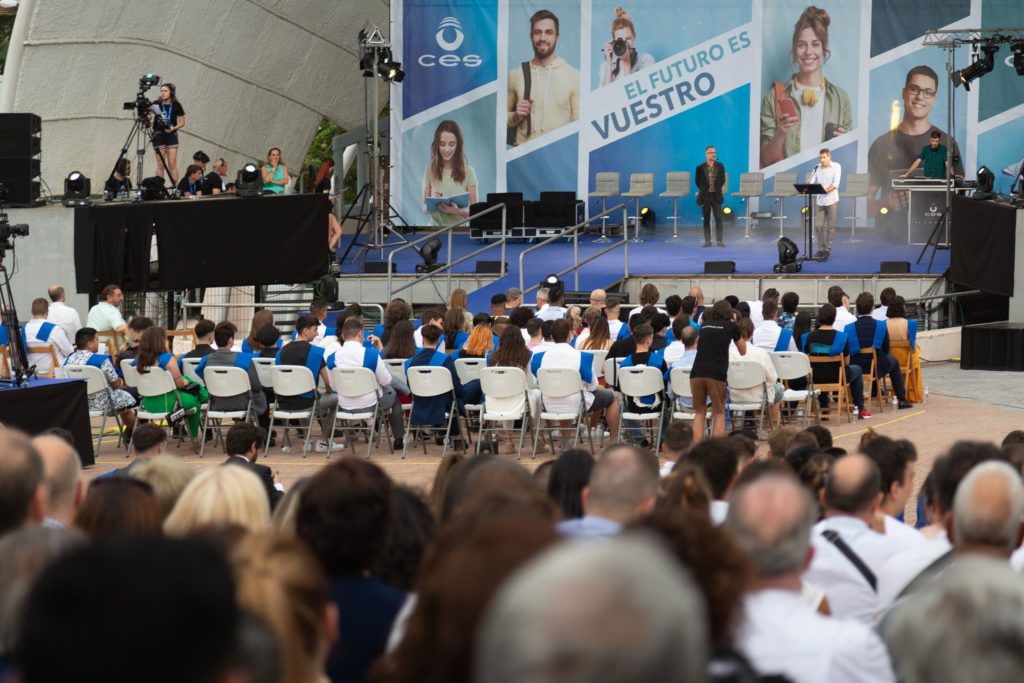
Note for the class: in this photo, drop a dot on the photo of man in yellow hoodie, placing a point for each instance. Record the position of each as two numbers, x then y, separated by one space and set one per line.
544 93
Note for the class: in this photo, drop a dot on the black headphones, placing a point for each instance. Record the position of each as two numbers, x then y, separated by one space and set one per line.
170 86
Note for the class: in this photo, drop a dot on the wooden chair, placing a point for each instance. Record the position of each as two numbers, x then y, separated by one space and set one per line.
114 340
54 363
5 361
189 337
839 391
872 381
904 355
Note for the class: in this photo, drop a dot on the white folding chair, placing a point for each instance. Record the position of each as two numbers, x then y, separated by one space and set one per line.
225 382
598 367
637 382
130 373
188 370
396 366
427 381
263 366
506 398
158 382
96 383
560 383
794 365
357 382
287 381
468 369
748 374
679 381
610 370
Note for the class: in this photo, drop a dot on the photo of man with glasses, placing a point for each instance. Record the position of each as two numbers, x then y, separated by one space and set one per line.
898 149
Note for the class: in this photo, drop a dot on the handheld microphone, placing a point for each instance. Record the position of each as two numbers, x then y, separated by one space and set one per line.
817 166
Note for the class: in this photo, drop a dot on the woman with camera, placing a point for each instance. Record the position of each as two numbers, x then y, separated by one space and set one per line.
620 55
275 173
807 110
165 141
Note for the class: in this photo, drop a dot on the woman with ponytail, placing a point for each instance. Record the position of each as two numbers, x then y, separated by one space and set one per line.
620 55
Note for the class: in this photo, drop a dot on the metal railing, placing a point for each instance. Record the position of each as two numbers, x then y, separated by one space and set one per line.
575 231
450 264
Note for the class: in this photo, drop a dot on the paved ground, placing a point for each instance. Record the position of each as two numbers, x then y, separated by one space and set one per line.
961 405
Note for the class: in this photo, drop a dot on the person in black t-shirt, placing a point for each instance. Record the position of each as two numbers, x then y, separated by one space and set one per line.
192 184
204 339
711 366
213 183
302 352
165 141
820 343
119 183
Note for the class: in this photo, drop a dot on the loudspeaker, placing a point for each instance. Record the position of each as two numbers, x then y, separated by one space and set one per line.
18 168
720 267
491 268
893 267
379 267
20 145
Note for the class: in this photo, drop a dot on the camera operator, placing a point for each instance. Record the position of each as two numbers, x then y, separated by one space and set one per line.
119 183
165 135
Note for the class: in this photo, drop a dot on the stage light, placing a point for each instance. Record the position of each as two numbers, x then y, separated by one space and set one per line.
787 256
248 182
647 216
428 252
986 181
76 189
803 209
976 69
884 210
727 210
1018 57
391 71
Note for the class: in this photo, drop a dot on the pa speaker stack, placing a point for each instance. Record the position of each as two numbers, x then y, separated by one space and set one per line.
20 145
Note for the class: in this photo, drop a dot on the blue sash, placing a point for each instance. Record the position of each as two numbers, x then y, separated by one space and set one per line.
840 342
437 360
670 336
535 362
803 342
624 332
912 334
313 360
880 331
378 330
460 340
785 336
44 331
5 337
96 360
161 360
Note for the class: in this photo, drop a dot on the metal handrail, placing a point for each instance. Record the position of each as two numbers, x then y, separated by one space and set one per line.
448 266
575 230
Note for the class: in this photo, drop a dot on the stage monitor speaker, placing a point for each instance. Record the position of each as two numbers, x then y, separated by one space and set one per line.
720 267
893 267
491 267
379 267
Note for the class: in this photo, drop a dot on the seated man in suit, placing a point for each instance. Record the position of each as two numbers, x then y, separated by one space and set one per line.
867 332
224 338
244 441
431 411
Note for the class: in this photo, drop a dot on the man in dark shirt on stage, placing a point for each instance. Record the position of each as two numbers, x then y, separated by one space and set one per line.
710 186
213 183
711 367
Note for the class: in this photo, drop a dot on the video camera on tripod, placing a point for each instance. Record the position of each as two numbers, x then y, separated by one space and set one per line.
143 106
7 231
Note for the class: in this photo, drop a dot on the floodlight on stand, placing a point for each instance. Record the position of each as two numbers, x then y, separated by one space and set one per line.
428 252
248 182
647 216
76 189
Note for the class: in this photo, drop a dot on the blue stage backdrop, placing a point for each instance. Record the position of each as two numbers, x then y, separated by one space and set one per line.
526 96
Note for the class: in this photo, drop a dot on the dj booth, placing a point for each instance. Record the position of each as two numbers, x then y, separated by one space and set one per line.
218 241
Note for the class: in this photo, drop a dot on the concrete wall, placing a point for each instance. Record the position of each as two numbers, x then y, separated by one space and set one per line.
251 74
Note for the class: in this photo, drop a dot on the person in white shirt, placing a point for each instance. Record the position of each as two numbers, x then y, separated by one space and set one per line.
838 298
105 314
542 299
771 376
895 460
689 336
40 332
848 553
649 296
611 311
535 330
61 314
430 317
771 518
675 350
757 307
885 298
768 335
828 174
561 355
675 444
719 462
352 354
555 310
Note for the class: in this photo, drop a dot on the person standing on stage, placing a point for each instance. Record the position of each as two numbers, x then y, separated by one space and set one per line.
275 173
934 157
166 141
827 173
710 185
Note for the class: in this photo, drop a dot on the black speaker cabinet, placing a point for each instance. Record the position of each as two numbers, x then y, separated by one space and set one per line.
720 267
20 145
491 268
379 267
893 267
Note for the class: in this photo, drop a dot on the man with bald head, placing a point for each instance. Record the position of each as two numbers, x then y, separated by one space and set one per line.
848 553
771 517
62 315
599 298
62 469
698 296
622 488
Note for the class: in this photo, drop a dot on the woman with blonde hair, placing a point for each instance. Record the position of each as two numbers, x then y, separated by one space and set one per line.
279 580
220 495
620 55
599 336
460 299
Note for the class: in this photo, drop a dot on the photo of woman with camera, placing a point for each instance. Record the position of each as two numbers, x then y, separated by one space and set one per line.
807 110
166 141
448 175
620 55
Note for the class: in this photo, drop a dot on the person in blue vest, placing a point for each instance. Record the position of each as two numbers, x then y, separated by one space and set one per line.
303 352
867 332
431 411
224 337
435 317
153 353
769 335
828 341
598 400
353 354
87 346
40 332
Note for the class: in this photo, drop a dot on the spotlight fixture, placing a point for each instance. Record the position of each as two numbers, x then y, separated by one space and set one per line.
1018 57
787 256
391 71
986 181
978 68
428 252
76 189
647 216
248 182
727 210
884 210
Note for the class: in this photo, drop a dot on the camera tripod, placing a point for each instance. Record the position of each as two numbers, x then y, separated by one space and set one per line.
141 132
20 370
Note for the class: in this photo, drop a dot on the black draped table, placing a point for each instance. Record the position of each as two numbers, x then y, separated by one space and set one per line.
47 403
218 241
983 242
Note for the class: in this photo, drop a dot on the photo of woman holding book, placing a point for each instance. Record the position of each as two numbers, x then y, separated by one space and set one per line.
449 182
807 110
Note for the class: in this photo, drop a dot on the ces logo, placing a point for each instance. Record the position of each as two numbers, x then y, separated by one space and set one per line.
449 38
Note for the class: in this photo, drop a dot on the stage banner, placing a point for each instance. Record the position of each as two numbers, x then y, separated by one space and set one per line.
530 96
